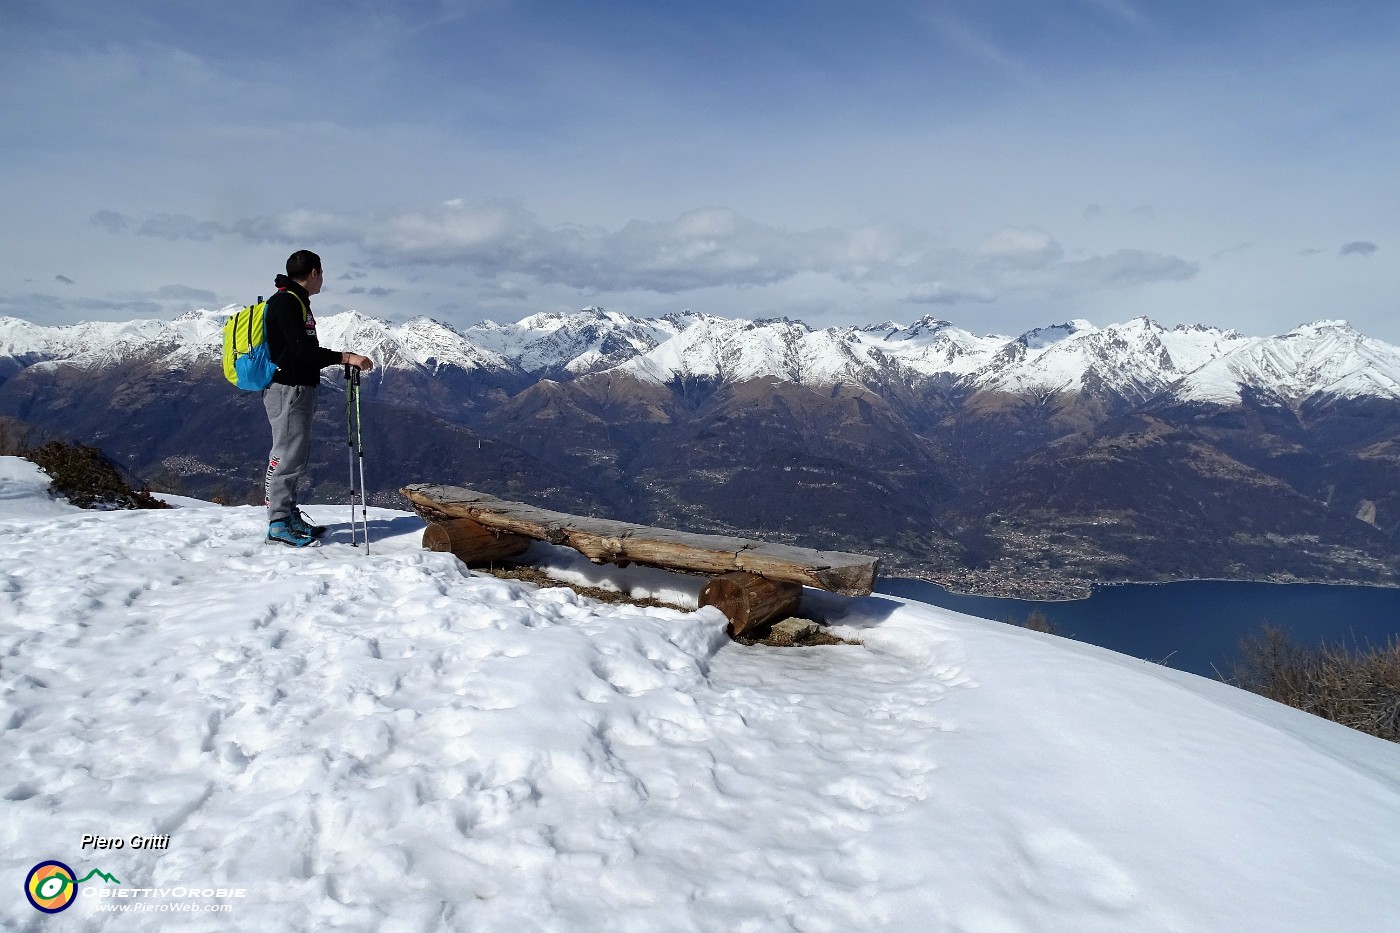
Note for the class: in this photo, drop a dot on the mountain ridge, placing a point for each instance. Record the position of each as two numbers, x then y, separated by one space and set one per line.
1135 359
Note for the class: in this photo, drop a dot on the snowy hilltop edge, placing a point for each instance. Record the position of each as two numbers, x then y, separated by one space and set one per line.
333 739
1141 357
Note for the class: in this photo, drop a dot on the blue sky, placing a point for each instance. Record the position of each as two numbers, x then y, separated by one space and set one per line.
1002 164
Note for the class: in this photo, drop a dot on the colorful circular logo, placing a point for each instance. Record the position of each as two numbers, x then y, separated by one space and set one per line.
51 887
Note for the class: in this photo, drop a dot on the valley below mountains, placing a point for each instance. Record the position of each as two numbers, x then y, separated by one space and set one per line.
1031 465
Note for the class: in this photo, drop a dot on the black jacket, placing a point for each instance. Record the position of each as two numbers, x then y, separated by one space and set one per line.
291 338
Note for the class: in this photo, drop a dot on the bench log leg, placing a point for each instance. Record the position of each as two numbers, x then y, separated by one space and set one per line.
473 543
749 601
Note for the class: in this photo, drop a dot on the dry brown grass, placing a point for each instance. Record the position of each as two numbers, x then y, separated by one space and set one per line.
1038 621
1357 688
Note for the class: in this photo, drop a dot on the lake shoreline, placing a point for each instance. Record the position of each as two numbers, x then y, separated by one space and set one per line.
1059 591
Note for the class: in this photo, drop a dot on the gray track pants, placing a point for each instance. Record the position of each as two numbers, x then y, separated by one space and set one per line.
289 411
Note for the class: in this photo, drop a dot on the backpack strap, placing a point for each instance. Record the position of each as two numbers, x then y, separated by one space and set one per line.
305 312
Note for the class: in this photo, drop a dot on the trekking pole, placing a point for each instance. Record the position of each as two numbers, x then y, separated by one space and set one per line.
360 454
351 389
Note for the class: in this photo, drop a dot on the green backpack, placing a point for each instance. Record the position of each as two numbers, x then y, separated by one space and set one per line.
247 363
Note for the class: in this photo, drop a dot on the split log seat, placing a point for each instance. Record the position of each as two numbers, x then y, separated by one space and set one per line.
753 582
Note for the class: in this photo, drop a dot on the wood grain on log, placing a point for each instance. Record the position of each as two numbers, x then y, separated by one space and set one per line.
605 541
472 542
749 601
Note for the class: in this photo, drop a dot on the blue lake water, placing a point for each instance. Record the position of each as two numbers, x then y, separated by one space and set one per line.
1195 626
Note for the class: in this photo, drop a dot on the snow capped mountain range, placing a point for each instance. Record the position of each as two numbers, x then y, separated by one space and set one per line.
1327 358
577 344
1136 360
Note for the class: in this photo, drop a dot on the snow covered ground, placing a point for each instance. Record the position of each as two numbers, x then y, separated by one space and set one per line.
336 741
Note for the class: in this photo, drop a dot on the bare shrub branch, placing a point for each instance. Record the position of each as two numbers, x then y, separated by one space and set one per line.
1357 688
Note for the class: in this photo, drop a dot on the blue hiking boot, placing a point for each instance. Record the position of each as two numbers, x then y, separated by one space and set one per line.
300 524
283 532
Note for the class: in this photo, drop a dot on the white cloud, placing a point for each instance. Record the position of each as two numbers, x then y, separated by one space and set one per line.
1128 267
178 227
45 309
940 293
701 248
183 293
1029 248
504 245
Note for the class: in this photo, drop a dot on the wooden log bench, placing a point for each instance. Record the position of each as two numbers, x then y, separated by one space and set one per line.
752 583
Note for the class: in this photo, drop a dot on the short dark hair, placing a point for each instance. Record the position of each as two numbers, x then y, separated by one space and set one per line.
301 264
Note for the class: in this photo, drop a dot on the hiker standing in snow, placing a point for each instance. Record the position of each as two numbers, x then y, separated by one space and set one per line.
291 399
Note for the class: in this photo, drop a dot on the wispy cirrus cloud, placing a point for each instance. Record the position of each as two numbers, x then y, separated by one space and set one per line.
1122 10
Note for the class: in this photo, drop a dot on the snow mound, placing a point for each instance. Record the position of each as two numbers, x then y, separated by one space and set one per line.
24 492
391 742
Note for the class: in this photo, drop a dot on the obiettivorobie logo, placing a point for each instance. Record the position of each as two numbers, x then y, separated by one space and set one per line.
52 886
